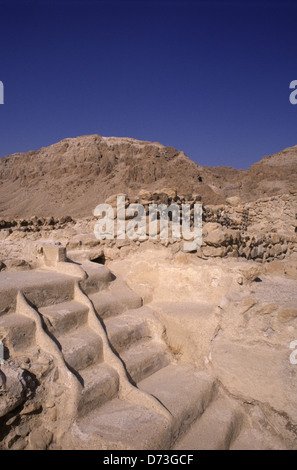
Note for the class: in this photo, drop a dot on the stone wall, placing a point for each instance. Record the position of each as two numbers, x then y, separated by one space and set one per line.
262 231
34 224
275 214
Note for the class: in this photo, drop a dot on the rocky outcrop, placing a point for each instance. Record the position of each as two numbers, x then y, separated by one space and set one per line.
232 230
74 175
144 343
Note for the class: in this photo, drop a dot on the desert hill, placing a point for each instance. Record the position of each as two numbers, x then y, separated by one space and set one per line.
146 344
74 175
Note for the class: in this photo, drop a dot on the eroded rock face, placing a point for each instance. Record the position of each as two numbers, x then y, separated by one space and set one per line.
17 391
251 354
226 312
224 319
74 175
12 389
241 331
78 174
228 231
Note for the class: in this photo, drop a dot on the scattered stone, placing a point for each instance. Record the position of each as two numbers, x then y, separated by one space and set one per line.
13 264
210 313
40 439
234 201
13 390
287 314
250 273
22 430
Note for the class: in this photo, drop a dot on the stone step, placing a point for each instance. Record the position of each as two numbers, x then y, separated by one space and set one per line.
64 317
183 390
45 294
99 277
41 287
145 358
101 384
215 430
17 332
122 425
81 348
126 329
113 302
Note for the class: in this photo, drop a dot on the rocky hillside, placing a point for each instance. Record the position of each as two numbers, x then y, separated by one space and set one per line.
74 175
273 175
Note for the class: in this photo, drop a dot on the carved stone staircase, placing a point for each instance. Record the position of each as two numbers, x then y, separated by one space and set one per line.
126 390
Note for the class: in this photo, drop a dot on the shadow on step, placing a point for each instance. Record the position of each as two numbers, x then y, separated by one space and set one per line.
6 354
71 261
54 339
111 346
99 260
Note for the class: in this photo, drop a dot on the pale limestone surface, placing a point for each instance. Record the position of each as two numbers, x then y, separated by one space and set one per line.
175 341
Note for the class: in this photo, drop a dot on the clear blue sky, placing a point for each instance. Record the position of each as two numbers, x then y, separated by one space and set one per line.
207 77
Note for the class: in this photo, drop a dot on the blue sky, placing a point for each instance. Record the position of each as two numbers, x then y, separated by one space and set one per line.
210 78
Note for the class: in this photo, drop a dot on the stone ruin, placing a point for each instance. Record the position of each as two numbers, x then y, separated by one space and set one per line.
121 344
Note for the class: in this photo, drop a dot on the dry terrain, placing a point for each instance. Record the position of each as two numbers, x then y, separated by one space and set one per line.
141 344
74 175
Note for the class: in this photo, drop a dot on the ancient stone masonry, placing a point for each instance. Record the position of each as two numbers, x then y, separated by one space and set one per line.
88 366
231 230
146 343
74 175
34 224
62 380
